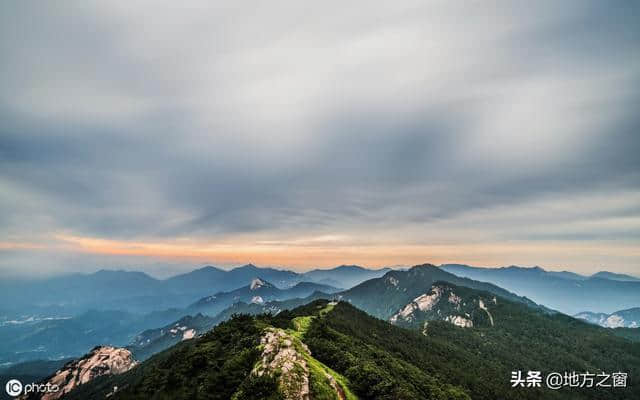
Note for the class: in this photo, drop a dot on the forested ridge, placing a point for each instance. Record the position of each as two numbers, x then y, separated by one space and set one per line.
372 359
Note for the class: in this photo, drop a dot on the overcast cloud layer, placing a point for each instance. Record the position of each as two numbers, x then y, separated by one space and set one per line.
488 133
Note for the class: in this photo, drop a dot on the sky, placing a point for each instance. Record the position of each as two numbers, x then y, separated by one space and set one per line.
162 136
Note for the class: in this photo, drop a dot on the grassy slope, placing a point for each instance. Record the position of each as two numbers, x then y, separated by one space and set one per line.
320 387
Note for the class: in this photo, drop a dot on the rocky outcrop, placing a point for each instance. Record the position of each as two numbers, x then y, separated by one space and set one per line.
620 319
459 306
102 360
459 321
423 302
483 307
257 283
335 386
282 356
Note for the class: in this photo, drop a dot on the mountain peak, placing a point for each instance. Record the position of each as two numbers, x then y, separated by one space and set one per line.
422 266
209 268
614 276
349 267
119 275
246 267
525 269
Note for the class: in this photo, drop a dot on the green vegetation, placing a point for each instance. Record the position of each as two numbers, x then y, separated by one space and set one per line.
383 361
320 375
373 372
301 325
384 296
219 366
349 354
211 367
632 334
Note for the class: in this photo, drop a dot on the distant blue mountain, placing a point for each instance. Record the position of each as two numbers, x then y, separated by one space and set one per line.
66 315
615 277
344 276
259 291
209 280
380 297
566 292
138 292
203 279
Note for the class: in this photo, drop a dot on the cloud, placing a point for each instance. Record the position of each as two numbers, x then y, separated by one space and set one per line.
272 122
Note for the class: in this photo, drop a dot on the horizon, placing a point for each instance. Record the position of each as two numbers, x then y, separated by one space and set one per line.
287 135
176 272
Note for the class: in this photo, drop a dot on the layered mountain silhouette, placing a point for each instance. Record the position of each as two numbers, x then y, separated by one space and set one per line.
332 350
398 288
138 292
566 292
68 336
424 299
258 291
381 297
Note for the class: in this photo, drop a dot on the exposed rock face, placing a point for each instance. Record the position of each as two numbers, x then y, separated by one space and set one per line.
189 334
257 300
443 302
423 302
629 318
336 386
102 360
256 284
614 321
392 281
459 321
483 307
282 353
454 299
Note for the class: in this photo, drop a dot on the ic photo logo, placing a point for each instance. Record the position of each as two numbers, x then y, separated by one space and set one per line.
14 387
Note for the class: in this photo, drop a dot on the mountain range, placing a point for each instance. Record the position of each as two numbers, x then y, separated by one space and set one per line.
53 338
257 297
332 350
399 289
432 302
566 292
258 291
138 292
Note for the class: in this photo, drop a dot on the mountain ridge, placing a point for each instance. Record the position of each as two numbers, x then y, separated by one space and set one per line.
557 290
374 359
138 292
